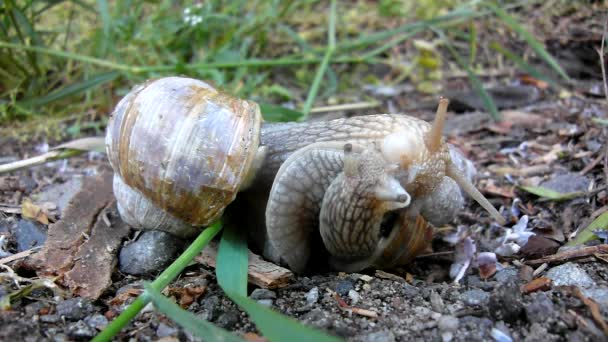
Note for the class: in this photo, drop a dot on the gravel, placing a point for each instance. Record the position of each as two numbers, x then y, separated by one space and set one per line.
153 251
570 274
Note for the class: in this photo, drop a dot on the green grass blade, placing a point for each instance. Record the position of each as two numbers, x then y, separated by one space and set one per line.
106 20
475 82
537 46
198 327
551 194
600 223
72 89
521 63
161 282
231 272
276 113
316 83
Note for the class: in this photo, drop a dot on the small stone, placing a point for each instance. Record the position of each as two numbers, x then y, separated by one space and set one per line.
436 302
163 330
80 330
49 318
506 303
506 275
153 251
74 309
377 336
29 234
344 286
366 278
500 336
567 182
258 294
97 321
366 287
570 274
210 308
540 308
447 323
312 296
228 319
354 297
410 291
447 336
475 297
599 295
265 302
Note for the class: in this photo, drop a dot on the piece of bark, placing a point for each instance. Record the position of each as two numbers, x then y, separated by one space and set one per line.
260 272
98 253
66 236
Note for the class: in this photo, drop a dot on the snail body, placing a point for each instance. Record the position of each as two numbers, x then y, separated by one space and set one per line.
182 150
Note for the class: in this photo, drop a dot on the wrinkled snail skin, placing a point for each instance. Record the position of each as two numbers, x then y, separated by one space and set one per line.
182 150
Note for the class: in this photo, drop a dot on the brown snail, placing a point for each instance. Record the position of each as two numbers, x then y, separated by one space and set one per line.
365 186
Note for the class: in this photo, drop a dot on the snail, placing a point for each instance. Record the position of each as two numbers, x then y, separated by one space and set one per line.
368 189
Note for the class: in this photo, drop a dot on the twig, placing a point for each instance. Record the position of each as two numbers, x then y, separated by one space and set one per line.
19 255
573 254
601 53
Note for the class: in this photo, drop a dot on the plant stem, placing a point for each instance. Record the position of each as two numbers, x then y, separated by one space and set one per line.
331 48
161 282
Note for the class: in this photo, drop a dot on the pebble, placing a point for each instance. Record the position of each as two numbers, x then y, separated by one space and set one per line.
410 291
29 234
228 319
258 294
540 307
447 323
344 286
74 309
570 274
436 302
447 336
377 336
506 275
80 330
265 302
312 296
567 182
599 295
506 303
354 297
475 297
49 318
163 330
366 278
97 321
500 336
210 308
153 251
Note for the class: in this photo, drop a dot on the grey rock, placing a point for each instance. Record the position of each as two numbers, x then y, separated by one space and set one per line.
312 296
567 182
377 336
436 302
265 302
473 281
60 194
80 330
500 336
570 274
354 297
152 251
74 309
540 307
29 234
506 303
506 275
344 286
475 297
318 318
210 308
97 321
53 318
447 323
410 291
258 294
228 319
163 330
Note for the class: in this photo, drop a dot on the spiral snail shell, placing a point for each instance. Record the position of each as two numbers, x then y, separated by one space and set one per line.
368 188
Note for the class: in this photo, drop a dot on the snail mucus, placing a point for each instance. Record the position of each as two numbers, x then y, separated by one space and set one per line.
362 191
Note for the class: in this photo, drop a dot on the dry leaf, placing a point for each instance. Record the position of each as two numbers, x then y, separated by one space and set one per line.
31 211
